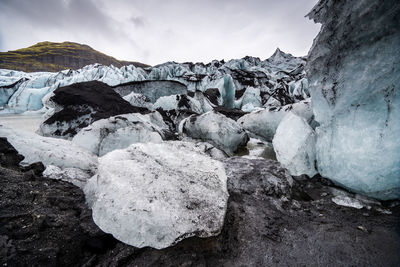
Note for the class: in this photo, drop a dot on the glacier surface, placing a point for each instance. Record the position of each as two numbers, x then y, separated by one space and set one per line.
281 76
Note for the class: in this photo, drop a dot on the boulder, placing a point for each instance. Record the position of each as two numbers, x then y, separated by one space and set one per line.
158 194
9 157
52 152
294 145
121 131
216 129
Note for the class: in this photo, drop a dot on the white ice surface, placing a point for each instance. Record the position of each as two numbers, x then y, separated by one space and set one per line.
158 194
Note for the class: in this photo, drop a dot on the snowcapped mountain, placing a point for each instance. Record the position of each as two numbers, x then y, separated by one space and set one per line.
281 76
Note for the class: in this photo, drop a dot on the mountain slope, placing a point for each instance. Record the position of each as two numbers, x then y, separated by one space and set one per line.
49 56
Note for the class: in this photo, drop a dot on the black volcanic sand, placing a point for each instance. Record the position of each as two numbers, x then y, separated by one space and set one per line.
46 222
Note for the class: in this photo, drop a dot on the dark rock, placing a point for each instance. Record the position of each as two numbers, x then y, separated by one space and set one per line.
183 102
82 104
9 156
213 95
37 168
249 78
234 114
100 243
45 222
239 93
172 119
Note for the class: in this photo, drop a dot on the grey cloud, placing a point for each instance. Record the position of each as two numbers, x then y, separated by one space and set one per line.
65 15
138 21
155 31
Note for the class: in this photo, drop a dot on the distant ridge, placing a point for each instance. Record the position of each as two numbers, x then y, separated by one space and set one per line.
49 56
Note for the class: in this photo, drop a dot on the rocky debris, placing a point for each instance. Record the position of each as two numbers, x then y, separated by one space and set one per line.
51 151
294 145
216 129
44 222
354 76
75 106
152 89
121 131
158 194
271 220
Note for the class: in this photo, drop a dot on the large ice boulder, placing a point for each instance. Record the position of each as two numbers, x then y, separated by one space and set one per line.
64 159
215 128
158 194
263 123
121 131
354 77
294 145
74 107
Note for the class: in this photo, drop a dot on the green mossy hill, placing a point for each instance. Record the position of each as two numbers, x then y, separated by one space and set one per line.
49 56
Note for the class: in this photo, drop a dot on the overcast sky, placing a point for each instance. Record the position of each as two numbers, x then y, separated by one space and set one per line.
156 31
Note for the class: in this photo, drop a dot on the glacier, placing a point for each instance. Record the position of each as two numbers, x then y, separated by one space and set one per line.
274 77
353 72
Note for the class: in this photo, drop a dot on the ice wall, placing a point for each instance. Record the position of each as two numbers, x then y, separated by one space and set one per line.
353 71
